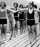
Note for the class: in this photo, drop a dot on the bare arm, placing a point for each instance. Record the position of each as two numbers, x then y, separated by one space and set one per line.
36 17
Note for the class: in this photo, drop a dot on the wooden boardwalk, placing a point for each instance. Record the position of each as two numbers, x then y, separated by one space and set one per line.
22 41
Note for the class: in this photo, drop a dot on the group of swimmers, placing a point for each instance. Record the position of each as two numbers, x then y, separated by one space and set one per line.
19 19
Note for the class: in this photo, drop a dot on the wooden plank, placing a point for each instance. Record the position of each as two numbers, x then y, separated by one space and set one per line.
15 39
36 40
28 45
39 46
17 42
36 44
22 42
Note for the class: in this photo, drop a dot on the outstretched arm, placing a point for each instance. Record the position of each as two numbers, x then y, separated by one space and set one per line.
13 11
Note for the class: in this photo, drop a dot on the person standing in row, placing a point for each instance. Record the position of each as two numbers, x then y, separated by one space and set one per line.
11 22
32 16
21 19
3 19
16 16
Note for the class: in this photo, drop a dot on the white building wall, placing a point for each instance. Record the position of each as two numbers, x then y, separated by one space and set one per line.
24 2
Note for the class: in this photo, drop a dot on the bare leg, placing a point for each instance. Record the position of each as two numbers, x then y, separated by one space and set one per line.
0 34
24 26
28 28
11 30
37 29
18 28
33 31
31 35
5 29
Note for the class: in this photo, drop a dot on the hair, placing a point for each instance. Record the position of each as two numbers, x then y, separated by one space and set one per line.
35 6
20 5
31 3
16 4
4 4
27 6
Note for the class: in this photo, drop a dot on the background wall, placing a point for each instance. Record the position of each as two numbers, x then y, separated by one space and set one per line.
24 2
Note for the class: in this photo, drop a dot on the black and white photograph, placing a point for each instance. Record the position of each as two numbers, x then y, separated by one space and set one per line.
19 23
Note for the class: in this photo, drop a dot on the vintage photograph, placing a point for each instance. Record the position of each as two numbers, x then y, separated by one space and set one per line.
19 23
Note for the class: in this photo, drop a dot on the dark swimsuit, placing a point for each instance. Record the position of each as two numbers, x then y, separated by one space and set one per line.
3 20
16 16
29 21
21 18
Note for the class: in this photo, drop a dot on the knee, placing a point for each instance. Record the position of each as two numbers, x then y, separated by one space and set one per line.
5 27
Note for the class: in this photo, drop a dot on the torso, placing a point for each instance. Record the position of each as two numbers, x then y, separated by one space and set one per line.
21 16
30 16
16 15
3 19
30 19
